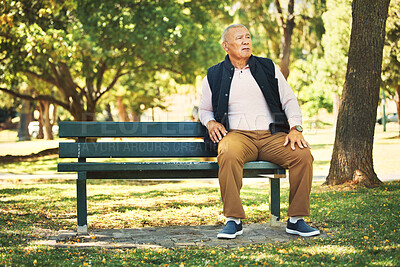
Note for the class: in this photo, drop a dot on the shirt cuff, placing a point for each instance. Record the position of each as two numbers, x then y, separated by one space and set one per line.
205 117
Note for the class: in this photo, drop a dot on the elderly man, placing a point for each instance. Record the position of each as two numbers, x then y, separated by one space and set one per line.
251 113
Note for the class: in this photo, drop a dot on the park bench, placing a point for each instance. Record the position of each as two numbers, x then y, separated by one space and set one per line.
181 141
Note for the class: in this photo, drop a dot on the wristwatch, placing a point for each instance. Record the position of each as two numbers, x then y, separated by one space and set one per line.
297 128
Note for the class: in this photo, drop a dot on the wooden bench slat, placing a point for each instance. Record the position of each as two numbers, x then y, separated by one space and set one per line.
155 166
163 170
134 150
177 174
131 129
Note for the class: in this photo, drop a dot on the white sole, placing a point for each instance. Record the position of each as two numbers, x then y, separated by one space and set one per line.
294 232
228 236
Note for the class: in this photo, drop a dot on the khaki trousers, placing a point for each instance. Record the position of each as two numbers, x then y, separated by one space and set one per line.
239 147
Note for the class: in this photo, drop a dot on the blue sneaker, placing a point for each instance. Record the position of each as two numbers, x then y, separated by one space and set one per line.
231 230
301 228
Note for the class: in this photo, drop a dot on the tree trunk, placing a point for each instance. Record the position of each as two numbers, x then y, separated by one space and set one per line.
287 40
48 131
40 134
54 116
352 151
109 116
24 119
122 114
135 116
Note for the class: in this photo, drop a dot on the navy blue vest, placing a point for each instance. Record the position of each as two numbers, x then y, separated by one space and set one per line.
220 78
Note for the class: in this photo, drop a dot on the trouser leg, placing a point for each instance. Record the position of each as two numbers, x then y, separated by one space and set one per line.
299 162
234 150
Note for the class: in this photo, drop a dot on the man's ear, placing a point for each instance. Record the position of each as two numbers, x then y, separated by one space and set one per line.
225 46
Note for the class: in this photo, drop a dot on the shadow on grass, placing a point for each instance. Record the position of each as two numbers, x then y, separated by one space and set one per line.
393 137
17 191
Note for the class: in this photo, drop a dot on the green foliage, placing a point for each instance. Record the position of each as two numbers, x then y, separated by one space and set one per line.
391 50
320 73
8 102
261 17
84 47
308 81
335 42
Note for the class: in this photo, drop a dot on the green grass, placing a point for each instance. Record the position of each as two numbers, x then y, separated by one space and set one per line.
361 225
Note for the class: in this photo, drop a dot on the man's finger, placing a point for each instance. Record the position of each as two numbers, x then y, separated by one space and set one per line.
222 130
308 145
286 141
215 136
219 136
300 144
212 136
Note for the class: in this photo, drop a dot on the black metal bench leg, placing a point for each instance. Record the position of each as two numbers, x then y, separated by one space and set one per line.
81 203
275 201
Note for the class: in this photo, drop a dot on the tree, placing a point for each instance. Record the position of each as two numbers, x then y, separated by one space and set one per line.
83 48
352 152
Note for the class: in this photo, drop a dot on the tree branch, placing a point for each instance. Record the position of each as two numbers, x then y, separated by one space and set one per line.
279 8
36 98
43 78
100 75
168 69
111 85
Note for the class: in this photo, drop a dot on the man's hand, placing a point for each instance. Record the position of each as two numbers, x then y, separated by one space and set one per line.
216 130
296 137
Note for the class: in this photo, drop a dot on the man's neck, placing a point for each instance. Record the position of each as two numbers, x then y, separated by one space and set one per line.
239 63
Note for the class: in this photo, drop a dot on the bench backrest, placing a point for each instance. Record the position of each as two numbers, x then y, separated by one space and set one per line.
166 145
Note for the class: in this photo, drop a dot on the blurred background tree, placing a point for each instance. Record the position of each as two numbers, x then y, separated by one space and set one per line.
283 30
83 48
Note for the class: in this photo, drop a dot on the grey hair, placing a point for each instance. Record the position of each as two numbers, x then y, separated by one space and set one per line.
225 32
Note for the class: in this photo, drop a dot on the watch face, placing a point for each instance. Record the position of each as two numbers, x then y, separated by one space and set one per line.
299 128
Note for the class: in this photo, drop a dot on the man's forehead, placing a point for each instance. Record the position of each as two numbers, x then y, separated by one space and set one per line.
237 31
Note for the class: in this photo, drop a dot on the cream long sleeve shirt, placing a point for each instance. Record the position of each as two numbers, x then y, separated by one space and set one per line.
247 107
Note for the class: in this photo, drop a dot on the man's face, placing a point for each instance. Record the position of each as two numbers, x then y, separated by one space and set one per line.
238 43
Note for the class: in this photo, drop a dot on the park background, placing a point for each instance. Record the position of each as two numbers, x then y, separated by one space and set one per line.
145 62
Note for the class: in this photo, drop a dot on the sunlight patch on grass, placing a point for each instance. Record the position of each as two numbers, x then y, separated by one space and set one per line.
328 249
